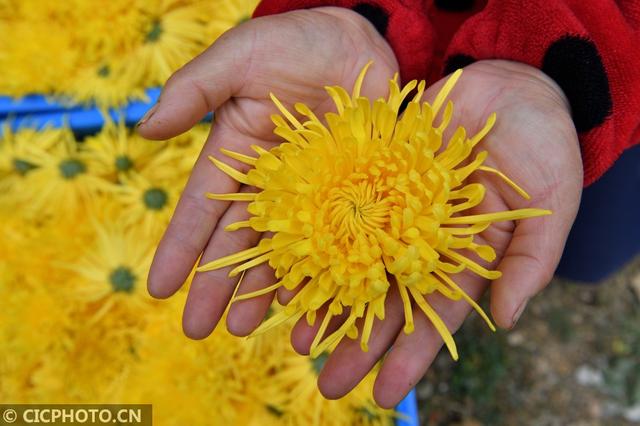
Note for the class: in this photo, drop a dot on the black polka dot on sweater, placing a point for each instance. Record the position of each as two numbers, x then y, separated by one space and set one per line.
454 62
454 5
375 14
575 64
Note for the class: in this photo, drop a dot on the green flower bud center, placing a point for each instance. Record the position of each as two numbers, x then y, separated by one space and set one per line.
22 167
270 313
155 198
104 71
154 33
123 163
275 411
318 362
367 414
122 280
71 167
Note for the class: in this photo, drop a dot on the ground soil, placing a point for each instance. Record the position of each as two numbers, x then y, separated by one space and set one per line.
572 359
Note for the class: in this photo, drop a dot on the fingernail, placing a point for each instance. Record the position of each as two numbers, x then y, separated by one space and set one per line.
519 312
147 115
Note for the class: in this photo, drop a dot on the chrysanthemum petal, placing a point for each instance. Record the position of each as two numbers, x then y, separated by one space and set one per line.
504 177
437 323
497 216
238 196
263 247
233 173
246 159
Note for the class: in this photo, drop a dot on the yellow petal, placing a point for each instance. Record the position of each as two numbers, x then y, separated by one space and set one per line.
437 323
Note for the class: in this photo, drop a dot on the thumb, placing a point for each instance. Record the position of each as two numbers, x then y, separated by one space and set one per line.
199 87
529 263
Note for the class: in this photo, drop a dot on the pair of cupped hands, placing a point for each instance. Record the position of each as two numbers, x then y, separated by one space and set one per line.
294 55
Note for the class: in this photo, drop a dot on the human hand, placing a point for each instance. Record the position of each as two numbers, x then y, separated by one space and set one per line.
542 155
293 55
535 144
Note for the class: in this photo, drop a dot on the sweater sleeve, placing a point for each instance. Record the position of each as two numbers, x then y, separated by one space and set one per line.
590 48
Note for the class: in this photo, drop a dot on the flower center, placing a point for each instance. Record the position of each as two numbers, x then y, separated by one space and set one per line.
367 413
122 279
275 411
123 163
155 198
154 33
104 71
22 167
318 362
71 167
357 208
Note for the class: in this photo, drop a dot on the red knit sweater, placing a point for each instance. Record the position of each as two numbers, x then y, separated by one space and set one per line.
591 48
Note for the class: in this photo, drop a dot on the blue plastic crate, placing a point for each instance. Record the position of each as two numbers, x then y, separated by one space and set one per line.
38 111
408 408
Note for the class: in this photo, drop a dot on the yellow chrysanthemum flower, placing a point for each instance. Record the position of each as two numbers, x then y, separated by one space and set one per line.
205 377
102 83
296 395
145 203
226 14
92 63
26 335
93 27
191 144
62 182
368 196
15 148
35 55
172 33
92 365
118 151
112 273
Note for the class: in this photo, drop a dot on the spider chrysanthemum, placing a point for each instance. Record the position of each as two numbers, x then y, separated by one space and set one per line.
372 199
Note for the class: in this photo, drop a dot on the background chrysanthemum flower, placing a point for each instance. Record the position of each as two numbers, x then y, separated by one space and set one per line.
369 196
62 182
296 397
111 274
147 203
117 151
15 149
172 32
35 55
26 334
227 14
102 83
70 48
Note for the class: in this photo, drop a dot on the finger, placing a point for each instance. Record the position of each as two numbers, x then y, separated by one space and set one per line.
348 364
211 291
245 315
192 223
199 87
528 265
412 354
303 334
285 295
